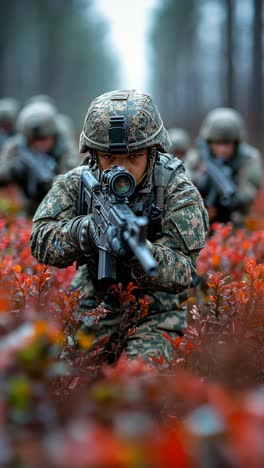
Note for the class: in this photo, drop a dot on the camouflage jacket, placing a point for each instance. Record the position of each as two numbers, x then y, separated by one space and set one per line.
184 224
62 153
246 173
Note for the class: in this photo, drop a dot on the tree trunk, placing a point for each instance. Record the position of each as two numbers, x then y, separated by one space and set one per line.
229 53
257 120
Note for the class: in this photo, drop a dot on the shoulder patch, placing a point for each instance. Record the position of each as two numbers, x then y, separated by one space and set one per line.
190 224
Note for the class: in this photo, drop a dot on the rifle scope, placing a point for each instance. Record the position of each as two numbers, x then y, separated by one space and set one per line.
119 181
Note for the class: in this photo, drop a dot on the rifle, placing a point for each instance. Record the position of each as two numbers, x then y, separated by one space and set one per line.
119 229
219 175
34 171
3 138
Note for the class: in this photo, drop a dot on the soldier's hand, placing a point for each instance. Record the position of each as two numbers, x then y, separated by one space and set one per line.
115 242
84 234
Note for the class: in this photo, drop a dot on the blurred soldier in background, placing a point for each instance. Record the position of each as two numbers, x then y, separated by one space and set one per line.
180 142
8 114
64 122
226 170
36 154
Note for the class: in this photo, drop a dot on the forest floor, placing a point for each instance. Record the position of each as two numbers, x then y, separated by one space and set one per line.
61 409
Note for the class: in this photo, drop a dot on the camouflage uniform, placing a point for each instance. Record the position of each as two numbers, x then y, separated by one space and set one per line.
180 142
183 224
244 167
8 113
66 157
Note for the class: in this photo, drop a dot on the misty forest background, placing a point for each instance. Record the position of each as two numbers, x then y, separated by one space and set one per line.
202 54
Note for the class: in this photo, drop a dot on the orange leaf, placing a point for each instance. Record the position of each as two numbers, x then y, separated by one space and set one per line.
40 327
216 259
159 360
174 341
84 340
17 268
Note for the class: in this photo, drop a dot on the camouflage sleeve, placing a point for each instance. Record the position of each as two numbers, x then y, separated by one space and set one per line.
7 162
51 241
184 228
249 181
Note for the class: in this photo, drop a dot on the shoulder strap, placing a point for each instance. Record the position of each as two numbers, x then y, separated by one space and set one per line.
85 160
164 167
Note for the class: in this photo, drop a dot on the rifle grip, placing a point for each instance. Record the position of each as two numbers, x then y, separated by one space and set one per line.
107 265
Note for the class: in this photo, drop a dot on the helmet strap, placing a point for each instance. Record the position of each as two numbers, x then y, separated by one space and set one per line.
153 154
94 158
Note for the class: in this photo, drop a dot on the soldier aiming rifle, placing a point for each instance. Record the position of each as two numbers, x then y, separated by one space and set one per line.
36 154
8 114
124 129
226 170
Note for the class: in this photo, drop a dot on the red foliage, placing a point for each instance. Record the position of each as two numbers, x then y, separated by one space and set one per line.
226 251
224 338
206 409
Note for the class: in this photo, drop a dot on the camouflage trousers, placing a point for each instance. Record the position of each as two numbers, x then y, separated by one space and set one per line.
115 330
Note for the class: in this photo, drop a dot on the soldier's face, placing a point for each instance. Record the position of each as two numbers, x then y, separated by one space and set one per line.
223 149
43 145
179 154
135 162
7 127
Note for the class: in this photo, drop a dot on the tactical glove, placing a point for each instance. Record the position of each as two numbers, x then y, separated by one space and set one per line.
84 234
115 244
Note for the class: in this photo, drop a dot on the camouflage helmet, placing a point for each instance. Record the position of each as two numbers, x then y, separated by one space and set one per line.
180 140
8 110
145 128
37 120
223 124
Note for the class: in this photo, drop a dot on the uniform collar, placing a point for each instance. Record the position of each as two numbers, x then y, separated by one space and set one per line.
147 183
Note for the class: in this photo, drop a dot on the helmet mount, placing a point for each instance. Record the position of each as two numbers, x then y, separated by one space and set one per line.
118 142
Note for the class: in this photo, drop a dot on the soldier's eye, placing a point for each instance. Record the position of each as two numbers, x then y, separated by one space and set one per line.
108 157
134 155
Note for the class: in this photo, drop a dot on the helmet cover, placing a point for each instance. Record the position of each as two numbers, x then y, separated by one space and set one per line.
145 128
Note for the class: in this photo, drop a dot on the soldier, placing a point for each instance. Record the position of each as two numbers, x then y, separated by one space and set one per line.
180 142
221 142
60 235
36 154
64 122
8 113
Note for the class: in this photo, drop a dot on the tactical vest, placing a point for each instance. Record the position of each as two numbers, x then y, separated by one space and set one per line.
165 165
153 209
